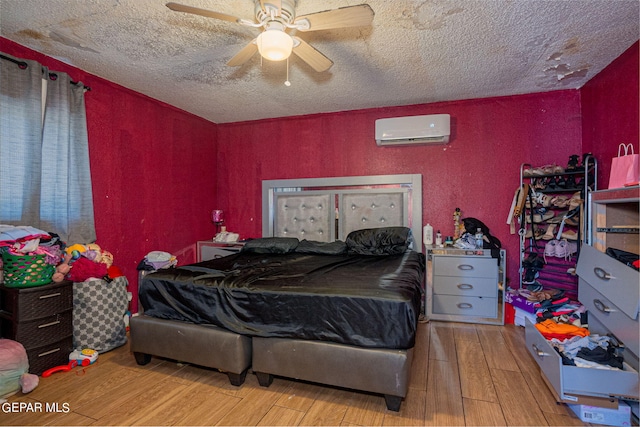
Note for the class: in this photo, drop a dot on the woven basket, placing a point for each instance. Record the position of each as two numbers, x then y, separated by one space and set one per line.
23 271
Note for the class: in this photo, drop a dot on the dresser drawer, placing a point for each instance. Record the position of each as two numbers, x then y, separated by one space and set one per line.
571 381
50 355
467 266
471 286
621 325
37 333
465 306
26 304
611 278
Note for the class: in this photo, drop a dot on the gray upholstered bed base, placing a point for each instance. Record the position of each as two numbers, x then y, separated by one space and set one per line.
202 345
379 371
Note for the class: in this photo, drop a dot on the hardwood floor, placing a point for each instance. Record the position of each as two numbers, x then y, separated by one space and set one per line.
462 374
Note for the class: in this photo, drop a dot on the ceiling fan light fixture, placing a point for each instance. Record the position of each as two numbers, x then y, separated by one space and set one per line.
274 44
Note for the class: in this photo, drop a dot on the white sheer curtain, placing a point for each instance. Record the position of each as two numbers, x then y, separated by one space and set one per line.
45 180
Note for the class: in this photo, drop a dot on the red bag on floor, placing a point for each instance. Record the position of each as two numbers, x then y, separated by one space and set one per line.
625 169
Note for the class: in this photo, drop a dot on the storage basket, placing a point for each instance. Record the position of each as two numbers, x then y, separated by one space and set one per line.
23 271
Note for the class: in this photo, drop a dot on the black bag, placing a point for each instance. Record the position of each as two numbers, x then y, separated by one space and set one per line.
471 226
627 258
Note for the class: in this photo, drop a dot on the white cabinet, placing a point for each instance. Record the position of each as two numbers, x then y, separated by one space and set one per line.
464 285
610 291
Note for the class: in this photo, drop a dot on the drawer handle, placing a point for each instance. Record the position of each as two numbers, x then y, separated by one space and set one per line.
464 305
57 294
602 306
46 353
465 286
46 325
539 352
601 273
465 267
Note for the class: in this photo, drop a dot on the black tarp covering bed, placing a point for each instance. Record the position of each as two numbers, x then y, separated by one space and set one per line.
363 300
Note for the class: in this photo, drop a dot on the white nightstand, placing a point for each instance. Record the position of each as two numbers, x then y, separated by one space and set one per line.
465 285
208 249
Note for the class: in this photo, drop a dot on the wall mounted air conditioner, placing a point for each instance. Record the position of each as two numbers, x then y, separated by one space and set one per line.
431 129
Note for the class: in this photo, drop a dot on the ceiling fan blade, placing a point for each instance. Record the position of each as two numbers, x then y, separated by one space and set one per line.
202 12
311 56
350 16
244 55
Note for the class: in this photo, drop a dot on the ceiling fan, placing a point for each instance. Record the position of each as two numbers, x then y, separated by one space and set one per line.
278 16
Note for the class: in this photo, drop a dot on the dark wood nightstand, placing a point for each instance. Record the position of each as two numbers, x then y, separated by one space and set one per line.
41 319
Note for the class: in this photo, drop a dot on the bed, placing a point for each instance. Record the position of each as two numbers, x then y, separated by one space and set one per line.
331 294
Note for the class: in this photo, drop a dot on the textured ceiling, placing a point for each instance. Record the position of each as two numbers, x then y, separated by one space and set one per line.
416 51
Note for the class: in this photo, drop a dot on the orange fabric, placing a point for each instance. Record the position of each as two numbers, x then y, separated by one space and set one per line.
552 329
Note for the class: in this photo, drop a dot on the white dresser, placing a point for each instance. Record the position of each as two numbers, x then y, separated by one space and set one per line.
610 291
465 285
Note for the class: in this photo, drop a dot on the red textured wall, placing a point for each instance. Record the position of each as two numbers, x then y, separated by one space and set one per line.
478 171
153 170
610 111
157 175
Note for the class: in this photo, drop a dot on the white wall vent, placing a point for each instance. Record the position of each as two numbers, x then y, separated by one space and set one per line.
411 130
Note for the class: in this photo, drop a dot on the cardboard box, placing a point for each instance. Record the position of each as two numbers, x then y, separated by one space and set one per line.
606 416
521 315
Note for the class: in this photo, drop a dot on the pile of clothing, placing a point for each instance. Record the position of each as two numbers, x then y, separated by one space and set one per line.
77 262
564 324
157 260
26 240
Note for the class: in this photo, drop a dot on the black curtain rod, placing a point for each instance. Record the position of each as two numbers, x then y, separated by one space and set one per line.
23 65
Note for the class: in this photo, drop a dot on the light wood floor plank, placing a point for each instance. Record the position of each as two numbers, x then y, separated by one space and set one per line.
412 411
254 405
442 344
475 378
518 404
495 348
444 398
482 413
280 416
329 409
446 367
365 410
465 331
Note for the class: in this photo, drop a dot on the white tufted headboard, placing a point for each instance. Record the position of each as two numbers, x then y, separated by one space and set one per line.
328 209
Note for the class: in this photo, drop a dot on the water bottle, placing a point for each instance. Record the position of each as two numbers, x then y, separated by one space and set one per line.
479 239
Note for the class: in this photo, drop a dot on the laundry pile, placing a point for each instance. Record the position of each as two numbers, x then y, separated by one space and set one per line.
564 324
26 240
156 260
77 262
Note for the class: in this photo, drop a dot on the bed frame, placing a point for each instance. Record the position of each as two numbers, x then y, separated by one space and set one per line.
320 209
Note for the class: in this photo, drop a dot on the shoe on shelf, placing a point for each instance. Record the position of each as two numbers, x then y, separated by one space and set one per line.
548 235
575 201
569 235
550 249
573 163
540 217
533 261
559 202
537 234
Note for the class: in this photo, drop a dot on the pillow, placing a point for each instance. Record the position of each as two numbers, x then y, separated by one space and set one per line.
322 248
271 245
379 241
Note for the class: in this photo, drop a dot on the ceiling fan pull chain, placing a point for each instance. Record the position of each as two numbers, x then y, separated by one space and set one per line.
287 83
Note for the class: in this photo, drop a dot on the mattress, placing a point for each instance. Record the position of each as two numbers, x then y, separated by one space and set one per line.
362 300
